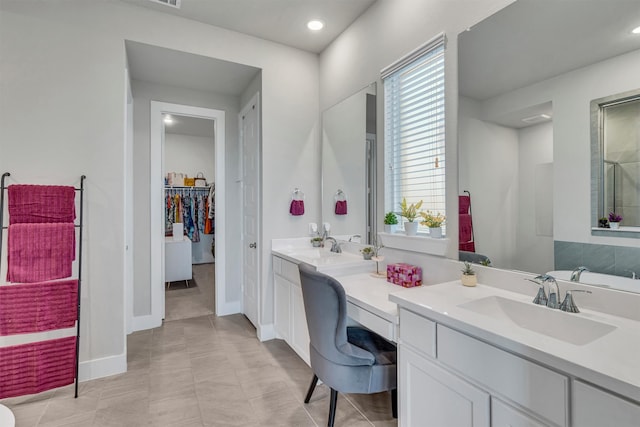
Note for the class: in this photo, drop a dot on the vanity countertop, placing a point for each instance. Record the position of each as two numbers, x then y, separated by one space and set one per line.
610 361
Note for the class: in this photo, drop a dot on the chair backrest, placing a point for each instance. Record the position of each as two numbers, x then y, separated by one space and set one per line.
325 305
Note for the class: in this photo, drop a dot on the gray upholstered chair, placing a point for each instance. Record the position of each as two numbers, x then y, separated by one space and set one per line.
346 359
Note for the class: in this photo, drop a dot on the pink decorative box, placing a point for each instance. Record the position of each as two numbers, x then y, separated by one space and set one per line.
405 275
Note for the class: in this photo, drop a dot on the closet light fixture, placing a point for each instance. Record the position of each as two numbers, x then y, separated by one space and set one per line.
315 25
168 119
636 30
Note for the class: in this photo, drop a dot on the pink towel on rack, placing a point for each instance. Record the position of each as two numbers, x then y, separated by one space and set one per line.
40 251
465 231
37 307
41 203
297 207
35 367
341 207
464 202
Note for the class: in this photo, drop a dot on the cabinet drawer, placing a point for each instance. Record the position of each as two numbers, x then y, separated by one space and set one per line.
418 332
290 271
377 324
593 407
538 389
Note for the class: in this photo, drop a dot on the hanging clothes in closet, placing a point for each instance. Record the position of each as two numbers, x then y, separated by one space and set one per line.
191 207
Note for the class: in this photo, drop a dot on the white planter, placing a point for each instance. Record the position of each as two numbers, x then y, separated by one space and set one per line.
435 232
390 228
411 228
469 280
614 225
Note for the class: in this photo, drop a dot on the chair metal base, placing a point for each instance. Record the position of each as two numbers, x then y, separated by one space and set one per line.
334 401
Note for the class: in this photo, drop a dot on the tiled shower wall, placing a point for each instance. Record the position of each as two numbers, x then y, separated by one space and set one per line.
617 260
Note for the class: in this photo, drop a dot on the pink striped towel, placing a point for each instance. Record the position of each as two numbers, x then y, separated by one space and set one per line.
35 367
37 307
40 252
41 203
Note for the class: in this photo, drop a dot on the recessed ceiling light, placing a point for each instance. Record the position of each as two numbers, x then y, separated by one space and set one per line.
315 25
636 30
168 119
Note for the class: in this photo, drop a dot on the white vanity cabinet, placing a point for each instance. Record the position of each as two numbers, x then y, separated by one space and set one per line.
289 316
592 407
448 378
432 396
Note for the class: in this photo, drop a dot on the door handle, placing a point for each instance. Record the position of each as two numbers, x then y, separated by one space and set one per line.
253 245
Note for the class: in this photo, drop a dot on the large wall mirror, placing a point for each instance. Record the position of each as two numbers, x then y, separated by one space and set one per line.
527 75
349 165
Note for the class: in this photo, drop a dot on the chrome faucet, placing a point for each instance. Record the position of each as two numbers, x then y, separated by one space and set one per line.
553 293
335 246
355 236
569 304
575 274
541 297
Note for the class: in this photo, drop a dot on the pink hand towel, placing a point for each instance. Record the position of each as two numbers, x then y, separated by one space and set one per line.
40 252
37 307
297 207
35 367
464 229
464 202
341 207
41 203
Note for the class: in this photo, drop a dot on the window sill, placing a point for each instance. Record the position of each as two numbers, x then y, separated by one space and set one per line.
630 232
420 243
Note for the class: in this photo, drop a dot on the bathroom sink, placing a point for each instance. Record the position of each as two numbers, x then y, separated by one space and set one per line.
315 253
567 327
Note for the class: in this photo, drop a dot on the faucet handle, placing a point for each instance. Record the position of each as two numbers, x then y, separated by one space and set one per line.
541 297
569 304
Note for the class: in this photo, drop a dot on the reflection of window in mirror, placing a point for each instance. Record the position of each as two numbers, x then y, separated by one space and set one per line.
414 129
618 140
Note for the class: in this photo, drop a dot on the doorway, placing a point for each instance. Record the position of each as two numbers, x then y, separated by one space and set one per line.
159 110
189 150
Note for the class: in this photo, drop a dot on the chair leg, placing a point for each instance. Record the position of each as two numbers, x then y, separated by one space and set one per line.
312 387
394 402
332 407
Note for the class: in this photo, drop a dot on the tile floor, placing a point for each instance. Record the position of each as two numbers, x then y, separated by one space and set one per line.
201 371
192 302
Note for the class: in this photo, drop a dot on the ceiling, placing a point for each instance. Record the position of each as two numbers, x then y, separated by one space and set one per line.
281 21
533 40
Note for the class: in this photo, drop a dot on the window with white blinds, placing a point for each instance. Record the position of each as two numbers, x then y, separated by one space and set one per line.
414 129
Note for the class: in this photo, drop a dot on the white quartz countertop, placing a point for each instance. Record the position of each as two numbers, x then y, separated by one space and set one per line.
611 361
371 293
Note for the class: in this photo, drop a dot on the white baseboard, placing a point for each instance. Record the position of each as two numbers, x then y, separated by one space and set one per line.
103 367
142 323
266 332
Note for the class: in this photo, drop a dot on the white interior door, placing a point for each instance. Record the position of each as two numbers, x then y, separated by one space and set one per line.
250 143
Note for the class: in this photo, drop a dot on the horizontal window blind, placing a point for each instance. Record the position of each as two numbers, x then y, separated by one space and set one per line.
414 131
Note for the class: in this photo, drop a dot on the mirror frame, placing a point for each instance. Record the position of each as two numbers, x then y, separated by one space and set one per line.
597 156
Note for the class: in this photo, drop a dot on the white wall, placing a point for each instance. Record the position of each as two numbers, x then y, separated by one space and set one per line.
61 115
571 94
388 30
488 169
534 230
190 154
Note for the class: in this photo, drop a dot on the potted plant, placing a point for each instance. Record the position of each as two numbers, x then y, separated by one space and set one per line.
603 222
390 221
614 220
316 242
434 222
367 252
468 275
410 212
